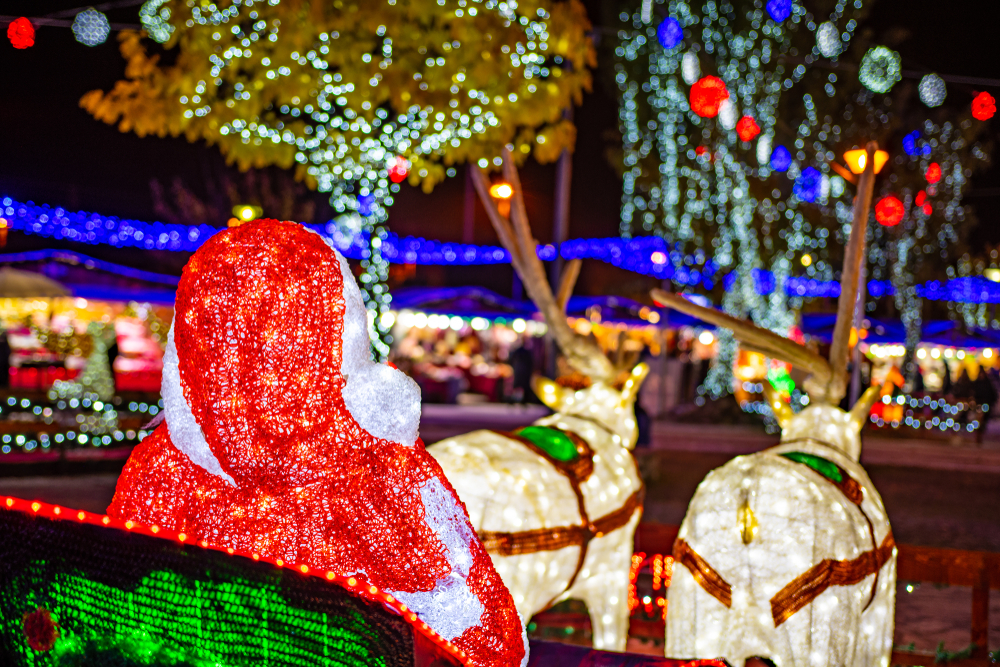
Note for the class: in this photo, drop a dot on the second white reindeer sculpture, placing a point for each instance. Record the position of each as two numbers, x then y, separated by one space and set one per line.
556 503
787 554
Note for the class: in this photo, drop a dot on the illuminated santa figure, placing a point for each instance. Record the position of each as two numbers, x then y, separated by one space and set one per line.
282 438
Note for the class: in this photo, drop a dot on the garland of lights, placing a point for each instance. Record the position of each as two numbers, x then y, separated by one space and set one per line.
98 426
648 255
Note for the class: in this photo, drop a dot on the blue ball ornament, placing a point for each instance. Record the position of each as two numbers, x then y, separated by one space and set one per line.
670 33
781 159
779 10
808 185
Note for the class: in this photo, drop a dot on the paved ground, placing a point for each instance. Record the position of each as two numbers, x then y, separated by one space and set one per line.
936 495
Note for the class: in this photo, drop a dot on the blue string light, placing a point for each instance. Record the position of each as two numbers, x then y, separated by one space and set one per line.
973 289
647 255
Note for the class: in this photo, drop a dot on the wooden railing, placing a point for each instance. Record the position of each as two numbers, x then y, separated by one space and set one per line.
978 570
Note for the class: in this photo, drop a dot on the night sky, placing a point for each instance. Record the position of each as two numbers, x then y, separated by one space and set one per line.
53 152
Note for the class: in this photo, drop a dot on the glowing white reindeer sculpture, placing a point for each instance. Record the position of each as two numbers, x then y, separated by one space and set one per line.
556 503
787 554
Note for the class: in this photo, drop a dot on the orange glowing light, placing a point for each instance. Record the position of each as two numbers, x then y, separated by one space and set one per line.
857 160
501 190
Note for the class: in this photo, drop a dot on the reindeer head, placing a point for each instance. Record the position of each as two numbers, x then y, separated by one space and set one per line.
601 401
826 385
611 408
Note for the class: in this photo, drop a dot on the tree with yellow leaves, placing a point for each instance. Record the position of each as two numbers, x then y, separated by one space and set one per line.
357 94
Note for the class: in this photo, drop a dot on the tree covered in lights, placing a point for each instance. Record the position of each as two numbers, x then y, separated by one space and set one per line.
357 96
732 115
933 147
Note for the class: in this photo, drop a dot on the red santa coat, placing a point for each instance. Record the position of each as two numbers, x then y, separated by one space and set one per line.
282 438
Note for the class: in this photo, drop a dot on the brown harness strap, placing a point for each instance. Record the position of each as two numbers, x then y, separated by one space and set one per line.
807 587
854 492
553 539
703 573
560 537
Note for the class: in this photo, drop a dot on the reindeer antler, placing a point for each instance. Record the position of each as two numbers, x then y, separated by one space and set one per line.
515 235
756 339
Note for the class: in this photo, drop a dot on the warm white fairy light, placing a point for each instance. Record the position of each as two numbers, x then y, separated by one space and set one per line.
155 18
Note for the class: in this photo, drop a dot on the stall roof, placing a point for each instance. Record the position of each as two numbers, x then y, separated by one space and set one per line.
883 331
462 301
481 302
91 278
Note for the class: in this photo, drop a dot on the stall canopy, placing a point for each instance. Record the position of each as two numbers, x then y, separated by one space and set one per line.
935 332
461 301
620 310
480 302
86 277
15 284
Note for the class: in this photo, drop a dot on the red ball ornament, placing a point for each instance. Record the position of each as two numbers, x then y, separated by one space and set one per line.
707 95
921 198
399 167
747 128
701 150
933 173
984 106
889 211
928 209
21 33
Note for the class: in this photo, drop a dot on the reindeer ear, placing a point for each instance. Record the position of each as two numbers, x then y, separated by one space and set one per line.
634 382
782 412
548 391
859 413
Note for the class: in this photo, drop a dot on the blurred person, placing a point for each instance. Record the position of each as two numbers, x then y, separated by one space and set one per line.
522 361
963 386
985 395
4 359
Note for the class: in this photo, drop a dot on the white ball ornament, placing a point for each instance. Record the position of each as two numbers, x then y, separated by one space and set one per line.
828 40
932 90
690 68
90 27
728 114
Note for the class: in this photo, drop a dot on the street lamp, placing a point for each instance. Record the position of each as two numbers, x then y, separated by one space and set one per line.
245 213
857 160
502 192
